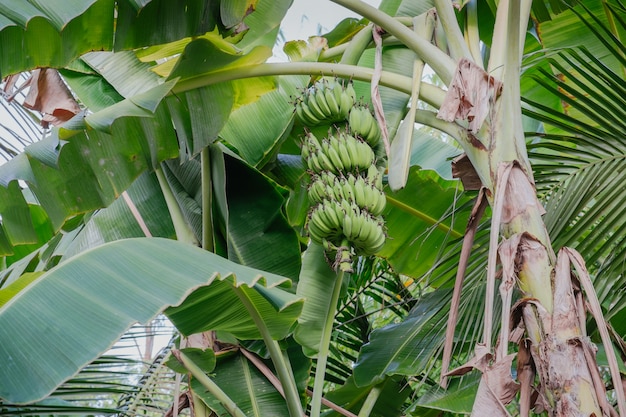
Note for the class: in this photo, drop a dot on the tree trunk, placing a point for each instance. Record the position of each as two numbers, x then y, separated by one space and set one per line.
551 310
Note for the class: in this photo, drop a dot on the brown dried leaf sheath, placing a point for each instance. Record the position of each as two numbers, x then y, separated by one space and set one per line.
470 95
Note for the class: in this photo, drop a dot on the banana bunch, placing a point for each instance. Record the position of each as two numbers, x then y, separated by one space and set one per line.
325 102
365 192
363 124
346 189
340 152
332 222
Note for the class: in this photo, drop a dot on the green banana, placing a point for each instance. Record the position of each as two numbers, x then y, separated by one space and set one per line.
363 124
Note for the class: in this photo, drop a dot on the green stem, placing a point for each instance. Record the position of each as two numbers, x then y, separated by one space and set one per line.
441 63
370 401
322 357
211 386
429 93
471 30
339 50
357 46
181 227
207 189
330 54
281 363
456 42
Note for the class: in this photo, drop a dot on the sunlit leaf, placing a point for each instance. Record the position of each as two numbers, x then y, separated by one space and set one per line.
96 296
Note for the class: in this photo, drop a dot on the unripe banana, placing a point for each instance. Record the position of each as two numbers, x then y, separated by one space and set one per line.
337 88
310 101
317 190
308 118
360 154
332 214
381 202
320 99
377 243
375 177
360 197
313 163
363 124
347 226
331 100
336 160
376 240
312 141
325 102
348 97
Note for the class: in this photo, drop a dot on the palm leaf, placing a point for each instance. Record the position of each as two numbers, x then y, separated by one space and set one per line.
579 157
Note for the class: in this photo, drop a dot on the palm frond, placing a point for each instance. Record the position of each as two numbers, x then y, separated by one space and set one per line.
579 157
118 383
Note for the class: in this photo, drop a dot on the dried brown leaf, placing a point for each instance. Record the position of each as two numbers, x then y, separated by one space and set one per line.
470 95
468 240
480 360
526 376
50 96
497 388
463 169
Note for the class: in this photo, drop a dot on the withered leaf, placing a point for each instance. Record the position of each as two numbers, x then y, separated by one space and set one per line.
470 95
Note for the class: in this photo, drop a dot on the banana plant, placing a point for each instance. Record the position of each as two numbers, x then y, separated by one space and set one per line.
240 165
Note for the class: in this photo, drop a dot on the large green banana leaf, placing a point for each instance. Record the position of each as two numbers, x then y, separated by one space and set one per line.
76 311
56 32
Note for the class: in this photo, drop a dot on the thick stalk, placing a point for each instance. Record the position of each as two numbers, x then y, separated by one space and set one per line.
207 194
370 401
357 46
471 31
211 386
454 37
441 63
558 354
283 369
322 356
428 92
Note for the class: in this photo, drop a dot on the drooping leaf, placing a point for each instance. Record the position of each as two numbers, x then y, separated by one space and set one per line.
140 105
123 71
258 234
394 391
343 32
201 56
118 222
199 115
420 221
203 358
458 398
50 33
223 310
314 285
96 296
258 129
404 348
